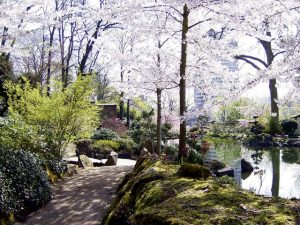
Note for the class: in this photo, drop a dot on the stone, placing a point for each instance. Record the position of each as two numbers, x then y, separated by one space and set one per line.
85 161
215 165
149 145
112 159
227 171
145 152
246 166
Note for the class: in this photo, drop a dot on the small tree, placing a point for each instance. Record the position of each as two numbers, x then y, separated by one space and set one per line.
59 118
289 126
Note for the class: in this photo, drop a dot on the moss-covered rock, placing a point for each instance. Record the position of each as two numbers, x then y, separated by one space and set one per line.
194 171
216 165
156 194
86 161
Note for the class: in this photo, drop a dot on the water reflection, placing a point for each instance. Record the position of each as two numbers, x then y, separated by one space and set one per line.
276 171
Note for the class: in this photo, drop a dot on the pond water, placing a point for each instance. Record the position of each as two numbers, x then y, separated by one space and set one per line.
276 173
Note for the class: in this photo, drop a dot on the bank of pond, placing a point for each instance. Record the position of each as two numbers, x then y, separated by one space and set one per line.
276 170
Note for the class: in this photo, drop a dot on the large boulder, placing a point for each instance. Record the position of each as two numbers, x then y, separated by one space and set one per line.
246 166
112 159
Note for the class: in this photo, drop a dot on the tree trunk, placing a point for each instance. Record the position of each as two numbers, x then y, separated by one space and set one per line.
128 113
275 157
158 126
122 95
267 45
182 86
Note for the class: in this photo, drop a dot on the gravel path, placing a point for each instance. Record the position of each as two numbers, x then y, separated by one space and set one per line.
81 199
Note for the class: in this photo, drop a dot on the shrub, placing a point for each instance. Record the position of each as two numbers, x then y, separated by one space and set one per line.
126 145
171 150
104 147
16 134
105 134
57 167
195 157
65 115
24 184
272 126
289 126
257 128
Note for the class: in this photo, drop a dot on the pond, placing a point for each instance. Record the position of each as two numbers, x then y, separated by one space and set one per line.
276 171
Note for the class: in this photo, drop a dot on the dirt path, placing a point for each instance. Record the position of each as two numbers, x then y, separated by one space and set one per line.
82 199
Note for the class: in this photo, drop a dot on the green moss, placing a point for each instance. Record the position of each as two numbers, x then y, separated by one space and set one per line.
194 171
157 195
8 220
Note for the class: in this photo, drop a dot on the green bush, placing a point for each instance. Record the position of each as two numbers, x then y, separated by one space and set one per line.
57 167
16 134
105 134
289 126
195 157
104 147
170 150
272 127
126 145
66 115
24 184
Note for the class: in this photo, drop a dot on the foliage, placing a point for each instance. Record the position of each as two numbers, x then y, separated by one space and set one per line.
105 146
126 145
165 130
171 150
195 157
57 167
231 113
24 184
143 129
16 134
289 126
257 128
290 155
272 126
65 115
105 134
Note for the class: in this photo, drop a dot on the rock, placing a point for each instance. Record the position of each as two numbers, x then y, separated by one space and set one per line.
245 175
216 165
225 171
112 159
155 156
246 166
85 148
149 145
86 162
145 152
71 169
194 171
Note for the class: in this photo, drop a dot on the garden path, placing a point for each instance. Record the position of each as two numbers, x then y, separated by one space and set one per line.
81 199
